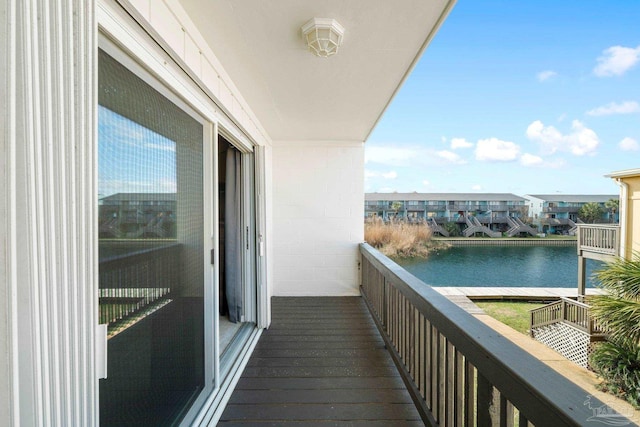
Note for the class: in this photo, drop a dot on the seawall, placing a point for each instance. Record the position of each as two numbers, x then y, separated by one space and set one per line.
475 241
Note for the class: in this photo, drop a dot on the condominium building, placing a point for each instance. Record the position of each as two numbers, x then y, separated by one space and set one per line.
473 213
559 213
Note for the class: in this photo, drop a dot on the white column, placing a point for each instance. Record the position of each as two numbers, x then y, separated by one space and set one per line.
48 245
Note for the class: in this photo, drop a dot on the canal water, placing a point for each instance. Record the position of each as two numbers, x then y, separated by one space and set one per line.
508 266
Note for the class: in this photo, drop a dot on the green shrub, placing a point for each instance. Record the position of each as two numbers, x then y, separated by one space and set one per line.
619 367
453 229
617 361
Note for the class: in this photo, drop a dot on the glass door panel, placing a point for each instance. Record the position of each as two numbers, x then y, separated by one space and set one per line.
151 251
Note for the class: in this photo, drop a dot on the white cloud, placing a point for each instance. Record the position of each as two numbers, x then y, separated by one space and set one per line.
374 174
580 141
460 143
393 156
476 187
530 160
629 144
616 60
494 149
425 183
627 107
545 75
410 157
171 146
450 157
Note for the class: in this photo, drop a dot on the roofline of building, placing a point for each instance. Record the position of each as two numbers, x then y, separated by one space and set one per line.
624 173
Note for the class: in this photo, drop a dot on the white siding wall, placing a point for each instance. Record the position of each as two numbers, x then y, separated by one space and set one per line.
48 307
6 383
535 207
318 205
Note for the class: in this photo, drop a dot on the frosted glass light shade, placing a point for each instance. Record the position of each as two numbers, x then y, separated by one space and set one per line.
323 36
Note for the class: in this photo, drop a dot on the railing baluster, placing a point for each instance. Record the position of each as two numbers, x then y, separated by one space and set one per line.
459 389
469 394
451 385
484 400
434 371
442 378
427 365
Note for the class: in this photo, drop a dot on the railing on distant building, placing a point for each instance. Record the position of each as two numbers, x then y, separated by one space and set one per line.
559 209
458 370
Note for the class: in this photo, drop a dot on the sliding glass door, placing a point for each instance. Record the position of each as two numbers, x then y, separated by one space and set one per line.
153 269
177 248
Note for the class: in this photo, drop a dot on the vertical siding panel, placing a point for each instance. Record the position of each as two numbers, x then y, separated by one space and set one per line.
52 132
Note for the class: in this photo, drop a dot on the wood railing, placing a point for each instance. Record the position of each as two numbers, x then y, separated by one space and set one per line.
568 311
459 371
598 238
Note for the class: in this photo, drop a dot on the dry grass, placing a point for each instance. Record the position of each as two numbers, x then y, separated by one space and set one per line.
398 238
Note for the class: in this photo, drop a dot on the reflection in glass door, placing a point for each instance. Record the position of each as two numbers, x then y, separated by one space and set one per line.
151 250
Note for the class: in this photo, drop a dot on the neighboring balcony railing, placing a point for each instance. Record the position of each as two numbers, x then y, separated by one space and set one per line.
568 311
558 209
598 239
135 283
459 371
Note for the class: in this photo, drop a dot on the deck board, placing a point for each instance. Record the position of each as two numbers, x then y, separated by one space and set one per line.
322 363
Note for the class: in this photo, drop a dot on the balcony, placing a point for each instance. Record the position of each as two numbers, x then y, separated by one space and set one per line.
323 360
559 209
598 241
373 208
435 208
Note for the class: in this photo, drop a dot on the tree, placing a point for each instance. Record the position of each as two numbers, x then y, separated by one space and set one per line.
590 212
613 205
395 207
617 361
452 228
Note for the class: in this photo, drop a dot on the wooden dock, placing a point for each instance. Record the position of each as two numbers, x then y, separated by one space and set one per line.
506 293
322 362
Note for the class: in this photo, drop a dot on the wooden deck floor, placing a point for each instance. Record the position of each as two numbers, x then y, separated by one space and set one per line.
322 362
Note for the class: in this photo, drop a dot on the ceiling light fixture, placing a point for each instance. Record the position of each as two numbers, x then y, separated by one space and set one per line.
323 36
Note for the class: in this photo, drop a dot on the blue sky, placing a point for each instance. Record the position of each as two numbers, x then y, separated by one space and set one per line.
521 97
133 158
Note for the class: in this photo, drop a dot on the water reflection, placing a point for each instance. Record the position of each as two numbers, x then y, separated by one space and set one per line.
510 266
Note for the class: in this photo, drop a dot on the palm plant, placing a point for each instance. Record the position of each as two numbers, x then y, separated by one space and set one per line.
590 212
618 360
613 205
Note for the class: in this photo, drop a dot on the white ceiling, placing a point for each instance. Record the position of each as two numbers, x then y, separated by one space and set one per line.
298 96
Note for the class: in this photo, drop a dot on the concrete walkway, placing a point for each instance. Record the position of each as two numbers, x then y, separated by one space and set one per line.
523 293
